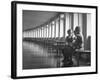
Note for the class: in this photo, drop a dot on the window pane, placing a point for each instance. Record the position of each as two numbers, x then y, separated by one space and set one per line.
44 32
30 33
57 27
49 30
88 25
53 29
66 23
61 25
37 32
34 34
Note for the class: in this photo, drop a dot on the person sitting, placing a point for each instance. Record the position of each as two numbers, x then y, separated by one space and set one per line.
68 50
77 43
78 39
69 38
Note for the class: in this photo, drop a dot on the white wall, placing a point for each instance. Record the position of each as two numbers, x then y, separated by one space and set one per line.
5 40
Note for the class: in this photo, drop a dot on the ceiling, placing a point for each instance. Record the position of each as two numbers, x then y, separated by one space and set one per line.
33 19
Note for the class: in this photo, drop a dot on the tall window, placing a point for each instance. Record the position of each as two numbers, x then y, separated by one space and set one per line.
40 32
44 32
30 33
75 20
33 34
50 31
47 31
57 27
37 32
61 25
88 25
66 23
53 29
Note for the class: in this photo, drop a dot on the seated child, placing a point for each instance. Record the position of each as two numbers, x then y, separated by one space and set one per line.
68 50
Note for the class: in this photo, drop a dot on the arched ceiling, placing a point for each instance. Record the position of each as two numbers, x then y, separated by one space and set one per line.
33 19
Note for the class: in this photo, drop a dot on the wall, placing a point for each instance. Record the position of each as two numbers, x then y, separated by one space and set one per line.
5 40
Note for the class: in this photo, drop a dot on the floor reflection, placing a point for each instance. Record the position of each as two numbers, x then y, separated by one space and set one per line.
36 56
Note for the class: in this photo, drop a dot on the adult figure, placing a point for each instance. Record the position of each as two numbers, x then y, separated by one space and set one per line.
78 39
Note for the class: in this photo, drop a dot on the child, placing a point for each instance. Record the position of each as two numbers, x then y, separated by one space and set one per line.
68 50
69 38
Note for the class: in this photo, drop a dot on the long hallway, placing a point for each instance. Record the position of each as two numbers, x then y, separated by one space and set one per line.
36 56
50 28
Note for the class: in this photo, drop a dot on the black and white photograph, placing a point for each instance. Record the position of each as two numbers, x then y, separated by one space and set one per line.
54 39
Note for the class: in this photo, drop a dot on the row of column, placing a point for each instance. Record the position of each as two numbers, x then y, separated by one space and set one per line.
59 26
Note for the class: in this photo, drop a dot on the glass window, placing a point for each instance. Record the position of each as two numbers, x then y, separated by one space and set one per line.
57 27
66 23
37 32
42 33
53 29
61 25
30 33
75 15
34 33
50 31
47 31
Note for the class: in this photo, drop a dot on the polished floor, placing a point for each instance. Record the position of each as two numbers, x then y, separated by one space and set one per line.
36 56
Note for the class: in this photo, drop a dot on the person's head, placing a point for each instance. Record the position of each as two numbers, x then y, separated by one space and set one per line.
69 32
77 30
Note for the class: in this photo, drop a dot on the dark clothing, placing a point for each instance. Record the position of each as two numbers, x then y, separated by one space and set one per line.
67 52
78 43
73 44
69 39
